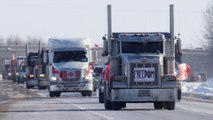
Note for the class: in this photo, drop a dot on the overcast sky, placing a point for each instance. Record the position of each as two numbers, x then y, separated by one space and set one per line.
87 18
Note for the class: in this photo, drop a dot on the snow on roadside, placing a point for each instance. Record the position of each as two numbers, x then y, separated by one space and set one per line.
198 89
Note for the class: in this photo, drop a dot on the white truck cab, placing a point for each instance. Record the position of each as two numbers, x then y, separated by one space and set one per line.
68 67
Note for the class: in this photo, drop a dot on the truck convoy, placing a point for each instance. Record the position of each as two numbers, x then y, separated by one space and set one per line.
68 66
142 67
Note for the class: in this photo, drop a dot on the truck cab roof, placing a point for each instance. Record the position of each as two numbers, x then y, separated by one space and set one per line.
140 34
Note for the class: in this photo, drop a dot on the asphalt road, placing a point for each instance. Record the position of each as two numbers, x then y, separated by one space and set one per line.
71 106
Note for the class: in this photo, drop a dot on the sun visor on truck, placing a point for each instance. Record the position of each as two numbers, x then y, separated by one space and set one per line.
156 38
77 42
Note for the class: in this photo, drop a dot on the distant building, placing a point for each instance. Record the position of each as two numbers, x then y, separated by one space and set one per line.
7 51
199 61
97 55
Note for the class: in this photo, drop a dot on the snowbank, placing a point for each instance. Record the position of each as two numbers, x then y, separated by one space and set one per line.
198 89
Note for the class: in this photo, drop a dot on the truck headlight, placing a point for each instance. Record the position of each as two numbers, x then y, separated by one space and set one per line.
41 75
31 75
88 77
53 78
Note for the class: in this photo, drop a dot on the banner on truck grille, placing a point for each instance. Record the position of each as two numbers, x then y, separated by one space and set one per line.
143 74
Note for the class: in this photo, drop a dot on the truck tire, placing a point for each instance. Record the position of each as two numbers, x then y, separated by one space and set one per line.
94 88
83 94
89 93
57 94
101 97
52 94
158 105
116 105
28 86
123 104
179 92
107 103
170 105
41 87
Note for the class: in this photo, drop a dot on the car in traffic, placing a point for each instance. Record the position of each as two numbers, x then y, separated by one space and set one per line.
96 76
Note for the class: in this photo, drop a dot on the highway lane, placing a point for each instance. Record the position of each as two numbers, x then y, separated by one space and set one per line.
71 106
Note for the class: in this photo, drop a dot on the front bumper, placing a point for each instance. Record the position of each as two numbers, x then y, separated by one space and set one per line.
22 79
144 95
96 82
32 82
71 87
43 82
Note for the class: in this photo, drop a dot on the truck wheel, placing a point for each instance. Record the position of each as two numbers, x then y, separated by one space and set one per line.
107 103
94 89
28 86
101 97
89 93
52 94
83 94
179 93
57 94
170 105
123 104
158 105
41 88
116 105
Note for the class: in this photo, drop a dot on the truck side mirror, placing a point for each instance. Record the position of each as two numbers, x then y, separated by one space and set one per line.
178 46
105 47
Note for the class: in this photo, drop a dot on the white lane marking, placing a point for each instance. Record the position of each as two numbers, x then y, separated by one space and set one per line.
2 102
94 113
198 110
41 94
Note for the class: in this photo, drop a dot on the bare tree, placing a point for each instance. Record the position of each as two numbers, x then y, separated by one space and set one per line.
208 25
208 35
14 40
33 40
2 40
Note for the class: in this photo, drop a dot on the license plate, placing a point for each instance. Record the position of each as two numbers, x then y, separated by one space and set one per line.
142 93
144 74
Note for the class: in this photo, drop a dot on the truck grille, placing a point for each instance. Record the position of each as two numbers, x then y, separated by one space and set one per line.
70 75
144 74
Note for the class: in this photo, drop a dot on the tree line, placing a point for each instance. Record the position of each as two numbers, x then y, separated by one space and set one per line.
208 29
17 40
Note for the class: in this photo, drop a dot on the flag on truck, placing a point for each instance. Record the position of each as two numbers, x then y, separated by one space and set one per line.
96 45
184 71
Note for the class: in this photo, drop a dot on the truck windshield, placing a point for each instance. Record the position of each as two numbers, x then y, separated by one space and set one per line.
65 56
23 68
142 47
7 67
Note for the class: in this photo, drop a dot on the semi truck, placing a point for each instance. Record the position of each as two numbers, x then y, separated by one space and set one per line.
32 70
68 66
43 82
6 71
22 72
143 67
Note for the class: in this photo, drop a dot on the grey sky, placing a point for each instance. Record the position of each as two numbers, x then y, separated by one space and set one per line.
87 18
